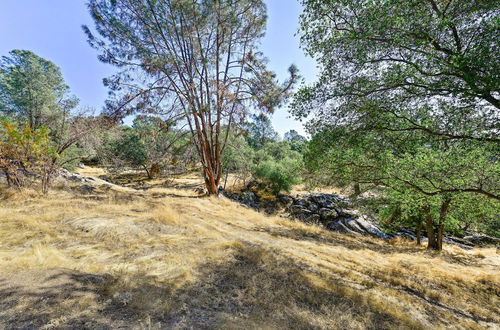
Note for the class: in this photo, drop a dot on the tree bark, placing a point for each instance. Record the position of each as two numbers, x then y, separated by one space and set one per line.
442 218
357 190
210 182
225 179
147 171
431 237
418 231
439 243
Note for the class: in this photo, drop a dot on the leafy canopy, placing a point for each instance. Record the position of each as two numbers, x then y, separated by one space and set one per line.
32 90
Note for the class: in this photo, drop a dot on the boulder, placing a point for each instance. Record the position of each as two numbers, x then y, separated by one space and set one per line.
249 198
341 228
313 207
287 201
301 202
322 200
348 213
352 224
482 240
370 228
328 214
298 209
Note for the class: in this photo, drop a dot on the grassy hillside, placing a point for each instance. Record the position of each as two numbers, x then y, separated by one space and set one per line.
166 258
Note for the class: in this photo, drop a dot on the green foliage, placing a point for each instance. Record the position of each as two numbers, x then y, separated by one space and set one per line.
473 212
33 91
279 175
407 103
404 66
238 157
411 174
195 60
278 167
25 151
151 144
164 142
129 148
33 94
297 141
260 131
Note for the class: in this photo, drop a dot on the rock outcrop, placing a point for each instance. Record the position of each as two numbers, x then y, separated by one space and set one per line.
329 210
88 182
333 212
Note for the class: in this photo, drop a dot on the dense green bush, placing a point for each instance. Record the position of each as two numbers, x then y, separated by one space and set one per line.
279 175
130 149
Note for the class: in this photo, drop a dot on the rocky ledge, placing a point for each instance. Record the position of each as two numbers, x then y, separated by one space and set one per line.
333 212
337 214
329 210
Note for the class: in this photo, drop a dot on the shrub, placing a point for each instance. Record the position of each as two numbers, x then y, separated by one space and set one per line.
279 175
26 152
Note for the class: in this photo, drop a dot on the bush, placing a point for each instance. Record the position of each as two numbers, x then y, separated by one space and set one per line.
279 175
25 153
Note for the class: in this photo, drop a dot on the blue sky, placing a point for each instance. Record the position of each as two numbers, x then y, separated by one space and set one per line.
52 29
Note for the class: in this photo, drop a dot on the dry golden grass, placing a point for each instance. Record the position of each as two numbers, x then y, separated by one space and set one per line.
92 171
166 258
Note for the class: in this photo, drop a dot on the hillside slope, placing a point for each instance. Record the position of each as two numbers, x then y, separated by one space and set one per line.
167 258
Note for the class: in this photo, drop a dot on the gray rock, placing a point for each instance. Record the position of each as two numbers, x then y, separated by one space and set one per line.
298 209
286 200
338 226
327 214
353 225
482 240
301 202
313 207
370 228
347 213
322 200
314 218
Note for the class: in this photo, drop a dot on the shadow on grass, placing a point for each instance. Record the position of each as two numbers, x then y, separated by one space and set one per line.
54 298
253 290
363 243
140 181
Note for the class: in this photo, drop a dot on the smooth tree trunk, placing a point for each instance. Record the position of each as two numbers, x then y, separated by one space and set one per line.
211 182
439 241
209 150
442 218
431 236
435 233
418 232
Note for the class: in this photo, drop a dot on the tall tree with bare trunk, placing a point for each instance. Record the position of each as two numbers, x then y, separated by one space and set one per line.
195 57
